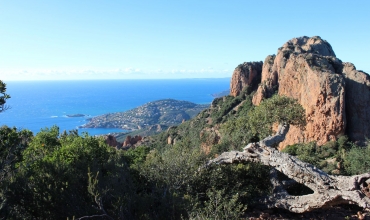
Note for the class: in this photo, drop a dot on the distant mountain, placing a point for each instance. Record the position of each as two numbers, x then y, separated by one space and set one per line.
165 112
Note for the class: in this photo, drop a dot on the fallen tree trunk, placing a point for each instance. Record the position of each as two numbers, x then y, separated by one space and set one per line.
327 189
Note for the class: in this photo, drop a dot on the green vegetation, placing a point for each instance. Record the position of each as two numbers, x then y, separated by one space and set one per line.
58 176
3 96
55 175
336 157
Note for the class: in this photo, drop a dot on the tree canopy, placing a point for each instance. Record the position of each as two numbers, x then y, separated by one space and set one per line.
3 97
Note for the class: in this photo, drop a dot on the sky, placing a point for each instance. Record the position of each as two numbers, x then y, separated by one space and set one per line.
111 39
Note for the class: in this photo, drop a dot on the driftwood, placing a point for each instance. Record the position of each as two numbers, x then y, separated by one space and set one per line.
327 189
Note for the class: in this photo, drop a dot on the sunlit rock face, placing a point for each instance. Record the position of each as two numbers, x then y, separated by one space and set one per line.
334 94
246 74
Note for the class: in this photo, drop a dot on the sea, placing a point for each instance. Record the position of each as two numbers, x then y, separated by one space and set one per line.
36 105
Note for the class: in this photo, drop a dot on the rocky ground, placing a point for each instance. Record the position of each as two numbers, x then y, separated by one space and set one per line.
334 213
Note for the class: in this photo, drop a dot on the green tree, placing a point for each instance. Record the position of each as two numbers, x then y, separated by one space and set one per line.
3 97
256 123
357 160
68 176
277 109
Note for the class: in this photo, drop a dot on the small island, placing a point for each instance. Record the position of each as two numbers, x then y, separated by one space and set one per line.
75 115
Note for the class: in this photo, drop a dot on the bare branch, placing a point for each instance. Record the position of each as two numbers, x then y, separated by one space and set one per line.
328 190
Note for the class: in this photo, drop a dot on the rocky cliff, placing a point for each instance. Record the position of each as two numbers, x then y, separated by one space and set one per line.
334 94
246 74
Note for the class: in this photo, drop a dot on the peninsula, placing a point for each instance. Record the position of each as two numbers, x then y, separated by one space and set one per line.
164 112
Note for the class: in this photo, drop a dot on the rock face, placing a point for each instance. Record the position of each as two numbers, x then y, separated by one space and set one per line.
334 94
111 140
246 74
357 102
130 141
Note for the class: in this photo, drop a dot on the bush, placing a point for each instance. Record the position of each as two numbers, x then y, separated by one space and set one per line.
67 176
357 160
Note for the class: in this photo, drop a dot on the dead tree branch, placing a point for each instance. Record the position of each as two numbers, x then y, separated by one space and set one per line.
328 190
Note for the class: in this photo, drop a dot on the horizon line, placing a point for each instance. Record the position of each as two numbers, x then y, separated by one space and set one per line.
30 80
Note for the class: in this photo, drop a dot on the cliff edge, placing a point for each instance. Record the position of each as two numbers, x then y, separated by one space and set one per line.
334 94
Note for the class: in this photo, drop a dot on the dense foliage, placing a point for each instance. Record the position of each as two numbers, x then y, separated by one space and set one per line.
55 175
3 96
64 175
335 157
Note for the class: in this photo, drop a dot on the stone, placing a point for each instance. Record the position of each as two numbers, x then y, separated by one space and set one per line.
127 141
246 74
209 137
169 140
136 139
327 190
131 141
357 103
111 140
334 94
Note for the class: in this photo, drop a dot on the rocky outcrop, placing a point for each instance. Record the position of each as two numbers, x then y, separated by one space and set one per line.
357 102
130 141
334 94
246 74
269 79
209 137
110 140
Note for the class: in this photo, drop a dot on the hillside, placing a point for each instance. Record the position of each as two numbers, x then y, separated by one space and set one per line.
307 71
164 112
223 163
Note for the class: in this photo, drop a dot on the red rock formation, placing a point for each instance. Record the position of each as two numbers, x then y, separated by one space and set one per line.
357 102
127 141
136 139
335 95
246 74
130 141
303 69
111 140
209 137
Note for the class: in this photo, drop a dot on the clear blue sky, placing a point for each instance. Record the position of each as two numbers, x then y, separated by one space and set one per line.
105 39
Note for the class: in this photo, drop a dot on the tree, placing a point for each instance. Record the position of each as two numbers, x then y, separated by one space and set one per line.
3 97
327 190
257 123
277 109
60 177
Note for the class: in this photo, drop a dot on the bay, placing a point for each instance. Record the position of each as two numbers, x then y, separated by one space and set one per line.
40 104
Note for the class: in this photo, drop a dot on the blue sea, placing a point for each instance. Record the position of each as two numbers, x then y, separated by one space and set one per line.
40 104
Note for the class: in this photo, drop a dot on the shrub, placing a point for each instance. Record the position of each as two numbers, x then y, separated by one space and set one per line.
357 160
